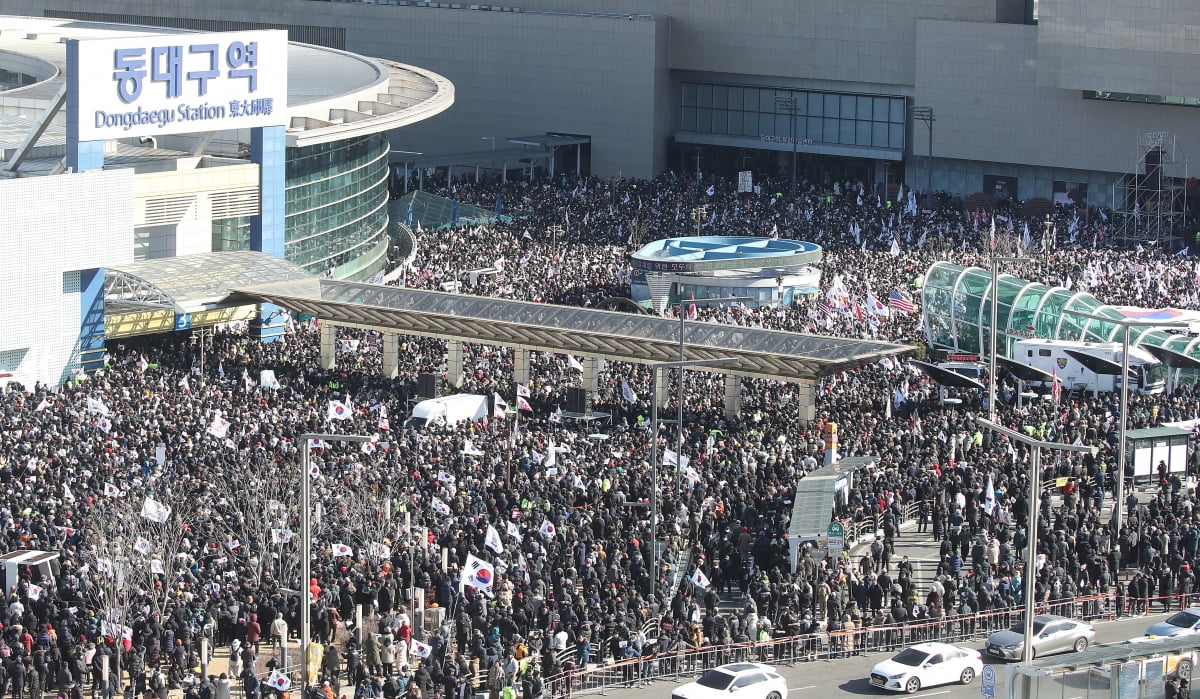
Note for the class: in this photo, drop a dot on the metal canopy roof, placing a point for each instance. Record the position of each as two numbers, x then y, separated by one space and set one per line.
1097 656
1025 372
565 329
192 282
550 140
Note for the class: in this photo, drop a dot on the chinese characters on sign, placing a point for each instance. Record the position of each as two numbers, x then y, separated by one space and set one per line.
180 83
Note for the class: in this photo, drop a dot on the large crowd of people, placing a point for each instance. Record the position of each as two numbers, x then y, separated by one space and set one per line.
169 489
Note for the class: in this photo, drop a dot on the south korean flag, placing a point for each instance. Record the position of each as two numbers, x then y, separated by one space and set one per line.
479 574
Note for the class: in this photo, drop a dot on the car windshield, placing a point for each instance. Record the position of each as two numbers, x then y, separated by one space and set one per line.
910 657
715 679
1019 627
1183 620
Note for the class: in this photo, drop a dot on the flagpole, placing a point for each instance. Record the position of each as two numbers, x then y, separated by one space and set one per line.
512 442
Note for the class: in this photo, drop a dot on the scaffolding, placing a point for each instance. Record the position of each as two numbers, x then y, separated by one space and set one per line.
1150 204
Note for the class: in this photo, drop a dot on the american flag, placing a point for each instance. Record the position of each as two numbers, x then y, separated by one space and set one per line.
900 302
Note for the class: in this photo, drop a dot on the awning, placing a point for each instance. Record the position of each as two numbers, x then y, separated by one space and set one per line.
944 376
1171 358
1025 372
1094 363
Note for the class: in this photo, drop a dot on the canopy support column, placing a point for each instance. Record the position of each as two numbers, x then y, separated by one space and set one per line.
391 355
733 397
661 386
591 376
521 366
806 400
454 362
328 345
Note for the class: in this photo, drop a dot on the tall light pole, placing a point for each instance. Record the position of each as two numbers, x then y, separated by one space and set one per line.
489 138
791 105
683 362
306 600
995 289
1126 324
925 114
654 369
698 214
1035 465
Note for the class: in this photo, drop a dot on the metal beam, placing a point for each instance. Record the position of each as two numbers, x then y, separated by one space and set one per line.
36 132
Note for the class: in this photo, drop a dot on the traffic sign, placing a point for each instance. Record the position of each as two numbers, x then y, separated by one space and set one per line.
988 687
837 537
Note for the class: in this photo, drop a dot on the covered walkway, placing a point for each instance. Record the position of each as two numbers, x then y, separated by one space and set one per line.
588 333
180 293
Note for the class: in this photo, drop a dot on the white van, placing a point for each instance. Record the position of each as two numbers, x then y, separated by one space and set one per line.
450 410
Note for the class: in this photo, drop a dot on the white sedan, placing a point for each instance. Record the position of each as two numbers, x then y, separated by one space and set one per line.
926 665
747 680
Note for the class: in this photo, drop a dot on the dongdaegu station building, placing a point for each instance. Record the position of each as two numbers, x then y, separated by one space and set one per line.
1023 98
130 156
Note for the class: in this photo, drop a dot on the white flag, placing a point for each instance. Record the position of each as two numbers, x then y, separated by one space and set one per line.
142 546
501 409
699 579
556 416
282 536
342 550
440 507
470 449
156 567
34 591
111 490
547 529
513 531
219 427
479 574
95 405
492 540
279 681
522 390
551 456
989 498
42 406
574 363
266 379
379 550
339 411
627 392
155 511
421 650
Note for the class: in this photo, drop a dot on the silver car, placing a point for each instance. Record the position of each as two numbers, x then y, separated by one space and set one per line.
1184 623
1051 634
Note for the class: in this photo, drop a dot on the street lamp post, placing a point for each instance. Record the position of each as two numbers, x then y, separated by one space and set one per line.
203 338
306 441
791 105
1125 323
654 368
993 331
489 138
925 114
682 361
1035 464
698 214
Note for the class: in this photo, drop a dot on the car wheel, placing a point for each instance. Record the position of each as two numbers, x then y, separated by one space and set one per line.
1081 645
1184 669
773 695
967 675
913 685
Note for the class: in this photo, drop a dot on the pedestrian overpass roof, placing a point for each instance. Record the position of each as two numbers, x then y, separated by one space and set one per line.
569 330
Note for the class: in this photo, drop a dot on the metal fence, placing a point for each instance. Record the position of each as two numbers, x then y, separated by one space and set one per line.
789 650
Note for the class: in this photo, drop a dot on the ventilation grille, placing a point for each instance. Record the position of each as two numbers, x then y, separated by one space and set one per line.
167 211
234 203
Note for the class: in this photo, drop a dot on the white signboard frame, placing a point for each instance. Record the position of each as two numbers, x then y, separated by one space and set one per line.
161 84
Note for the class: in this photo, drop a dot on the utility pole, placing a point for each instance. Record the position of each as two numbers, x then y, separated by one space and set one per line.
1035 465
306 601
203 338
1125 324
993 331
791 105
925 114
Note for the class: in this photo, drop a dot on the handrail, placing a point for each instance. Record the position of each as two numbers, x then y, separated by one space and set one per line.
790 649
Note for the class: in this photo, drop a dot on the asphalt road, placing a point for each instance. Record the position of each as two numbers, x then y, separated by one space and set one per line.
848 677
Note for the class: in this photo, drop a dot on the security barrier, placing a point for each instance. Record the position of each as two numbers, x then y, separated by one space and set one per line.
789 650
